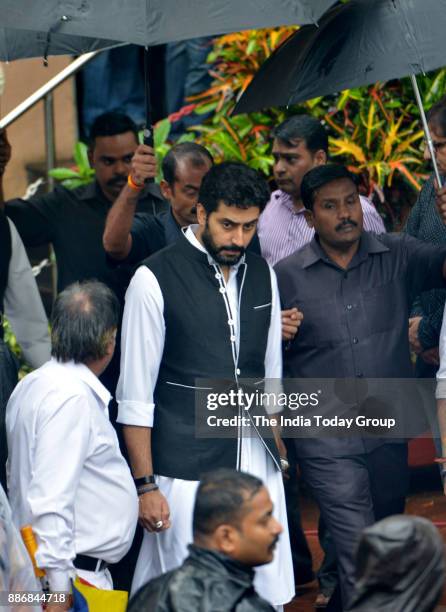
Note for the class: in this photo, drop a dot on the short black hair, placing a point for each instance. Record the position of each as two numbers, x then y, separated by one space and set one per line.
83 318
302 127
437 116
221 496
111 124
320 176
195 153
234 184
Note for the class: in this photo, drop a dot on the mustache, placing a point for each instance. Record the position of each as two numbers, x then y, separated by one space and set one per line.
346 223
232 248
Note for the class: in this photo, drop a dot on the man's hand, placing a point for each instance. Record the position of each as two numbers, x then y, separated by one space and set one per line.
143 164
153 508
291 321
5 152
431 356
414 342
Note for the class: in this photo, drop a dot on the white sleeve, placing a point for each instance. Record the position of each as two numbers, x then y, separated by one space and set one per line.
23 306
61 448
441 374
142 345
273 354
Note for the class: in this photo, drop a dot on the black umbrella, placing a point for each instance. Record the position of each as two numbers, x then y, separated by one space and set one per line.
20 44
151 22
355 44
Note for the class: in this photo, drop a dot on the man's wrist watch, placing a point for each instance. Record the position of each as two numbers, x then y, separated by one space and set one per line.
144 480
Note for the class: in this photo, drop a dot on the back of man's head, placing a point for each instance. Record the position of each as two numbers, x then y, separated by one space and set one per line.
233 184
83 322
302 128
191 152
111 124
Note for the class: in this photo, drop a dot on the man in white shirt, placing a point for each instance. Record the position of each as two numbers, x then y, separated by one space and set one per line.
67 477
201 308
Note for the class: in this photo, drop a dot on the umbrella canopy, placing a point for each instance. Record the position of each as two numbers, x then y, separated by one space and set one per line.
355 44
152 22
20 44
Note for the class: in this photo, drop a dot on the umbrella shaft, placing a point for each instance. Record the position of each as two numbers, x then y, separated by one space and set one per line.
427 133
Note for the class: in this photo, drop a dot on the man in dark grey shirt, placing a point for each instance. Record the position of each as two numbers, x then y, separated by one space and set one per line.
355 290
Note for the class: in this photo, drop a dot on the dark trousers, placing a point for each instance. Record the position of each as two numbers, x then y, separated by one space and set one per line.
351 492
300 551
327 574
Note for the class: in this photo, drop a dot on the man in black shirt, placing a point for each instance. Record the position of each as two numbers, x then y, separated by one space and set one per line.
129 238
73 220
355 290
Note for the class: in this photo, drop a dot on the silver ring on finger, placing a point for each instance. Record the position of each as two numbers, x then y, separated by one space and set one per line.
158 524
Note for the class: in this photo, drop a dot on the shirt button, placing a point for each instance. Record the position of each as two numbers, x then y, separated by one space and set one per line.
218 276
222 290
233 338
230 322
237 371
349 306
355 340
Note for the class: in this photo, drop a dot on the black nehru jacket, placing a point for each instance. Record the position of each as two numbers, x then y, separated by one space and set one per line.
198 344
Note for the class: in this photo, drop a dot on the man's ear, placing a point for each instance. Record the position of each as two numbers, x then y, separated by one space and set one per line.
226 538
111 344
320 158
201 214
166 190
309 218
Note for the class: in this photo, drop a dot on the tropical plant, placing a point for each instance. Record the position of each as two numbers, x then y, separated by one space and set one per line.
375 130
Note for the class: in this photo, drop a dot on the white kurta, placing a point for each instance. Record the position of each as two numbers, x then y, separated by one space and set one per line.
143 335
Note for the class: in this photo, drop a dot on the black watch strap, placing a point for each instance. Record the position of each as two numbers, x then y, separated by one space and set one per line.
139 482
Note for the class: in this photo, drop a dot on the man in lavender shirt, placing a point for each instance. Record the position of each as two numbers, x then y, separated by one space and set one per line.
300 144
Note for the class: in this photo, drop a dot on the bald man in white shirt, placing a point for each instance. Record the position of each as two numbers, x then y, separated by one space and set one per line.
68 479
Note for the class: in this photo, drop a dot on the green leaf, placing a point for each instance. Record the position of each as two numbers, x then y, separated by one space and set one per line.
60 174
203 109
251 46
161 132
80 154
189 137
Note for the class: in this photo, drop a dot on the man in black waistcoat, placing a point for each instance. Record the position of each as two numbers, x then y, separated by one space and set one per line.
200 308
355 290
